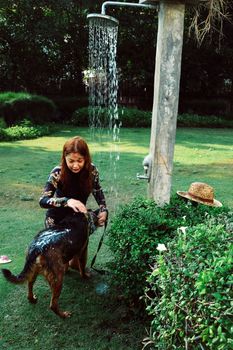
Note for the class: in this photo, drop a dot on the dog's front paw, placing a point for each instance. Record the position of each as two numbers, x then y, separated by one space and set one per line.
65 314
62 314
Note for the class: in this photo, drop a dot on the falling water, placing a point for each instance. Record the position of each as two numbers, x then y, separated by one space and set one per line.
102 82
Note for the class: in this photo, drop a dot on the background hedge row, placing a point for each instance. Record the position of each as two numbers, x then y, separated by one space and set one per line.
16 107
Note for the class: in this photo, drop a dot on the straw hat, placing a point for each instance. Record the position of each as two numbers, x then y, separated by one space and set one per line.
202 193
4 259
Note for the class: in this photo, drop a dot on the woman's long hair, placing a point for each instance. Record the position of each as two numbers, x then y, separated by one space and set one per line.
82 181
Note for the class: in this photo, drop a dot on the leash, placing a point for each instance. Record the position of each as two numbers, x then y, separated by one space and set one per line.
102 272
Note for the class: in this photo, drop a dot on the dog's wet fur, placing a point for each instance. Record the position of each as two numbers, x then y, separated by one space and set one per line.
50 254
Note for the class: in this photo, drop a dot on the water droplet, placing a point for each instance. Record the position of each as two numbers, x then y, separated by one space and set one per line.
102 288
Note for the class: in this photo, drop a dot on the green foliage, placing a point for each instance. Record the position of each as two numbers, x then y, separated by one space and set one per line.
190 289
127 117
66 106
98 116
43 46
2 123
16 106
135 232
81 116
133 117
195 120
25 130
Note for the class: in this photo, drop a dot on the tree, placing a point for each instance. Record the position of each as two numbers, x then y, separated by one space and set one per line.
42 45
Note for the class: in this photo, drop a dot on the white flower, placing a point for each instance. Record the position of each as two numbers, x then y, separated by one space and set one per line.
183 229
161 247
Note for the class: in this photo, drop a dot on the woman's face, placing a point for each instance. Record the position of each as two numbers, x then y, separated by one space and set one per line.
75 162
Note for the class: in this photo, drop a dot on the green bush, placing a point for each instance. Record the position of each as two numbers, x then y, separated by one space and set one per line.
133 117
208 106
98 117
23 131
135 232
190 289
16 106
127 117
81 117
2 123
67 106
195 120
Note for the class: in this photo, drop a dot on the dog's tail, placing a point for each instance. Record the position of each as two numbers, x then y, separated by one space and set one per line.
23 275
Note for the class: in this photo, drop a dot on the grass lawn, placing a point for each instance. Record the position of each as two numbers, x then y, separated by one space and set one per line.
99 321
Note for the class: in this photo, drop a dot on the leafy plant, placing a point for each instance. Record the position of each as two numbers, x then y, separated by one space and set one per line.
195 120
135 232
127 117
2 123
16 106
133 117
23 131
189 295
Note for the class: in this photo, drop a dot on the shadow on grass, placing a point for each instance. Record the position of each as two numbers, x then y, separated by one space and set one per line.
97 321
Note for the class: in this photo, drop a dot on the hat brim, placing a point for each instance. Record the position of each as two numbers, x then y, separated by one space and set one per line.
4 259
215 203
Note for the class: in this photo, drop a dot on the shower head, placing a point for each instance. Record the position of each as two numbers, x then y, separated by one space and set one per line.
104 20
100 19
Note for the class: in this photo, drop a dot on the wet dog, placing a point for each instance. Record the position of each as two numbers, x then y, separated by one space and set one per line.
50 253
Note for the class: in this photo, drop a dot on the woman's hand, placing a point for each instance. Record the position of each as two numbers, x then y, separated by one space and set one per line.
76 205
102 218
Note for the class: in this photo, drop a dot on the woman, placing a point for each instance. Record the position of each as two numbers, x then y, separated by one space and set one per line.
70 184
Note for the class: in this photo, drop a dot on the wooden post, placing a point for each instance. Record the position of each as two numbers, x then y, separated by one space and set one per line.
166 97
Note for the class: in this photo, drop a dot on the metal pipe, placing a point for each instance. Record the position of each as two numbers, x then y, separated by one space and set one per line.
119 3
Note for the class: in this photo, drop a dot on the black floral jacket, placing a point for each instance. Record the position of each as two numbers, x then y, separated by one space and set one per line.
52 196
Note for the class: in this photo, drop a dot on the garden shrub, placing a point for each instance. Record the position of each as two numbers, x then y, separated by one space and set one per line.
67 106
195 120
98 117
25 130
136 118
16 106
127 117
135 232
190 289
2 123
208 106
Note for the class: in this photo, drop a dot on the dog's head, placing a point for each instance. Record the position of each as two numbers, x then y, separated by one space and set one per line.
80 220
74 220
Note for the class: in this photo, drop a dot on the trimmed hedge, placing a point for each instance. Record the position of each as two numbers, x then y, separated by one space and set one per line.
133 117
66 106
127 117
195 121
17 106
